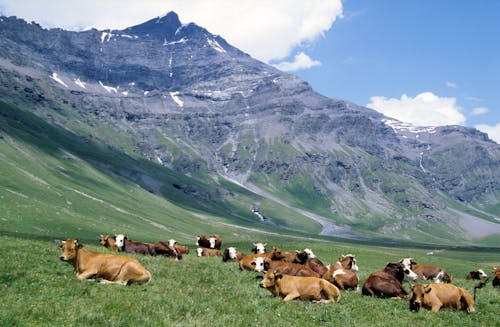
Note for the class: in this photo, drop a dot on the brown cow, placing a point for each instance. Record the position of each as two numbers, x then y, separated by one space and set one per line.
230 254
248 262
287 268
209 241
130 246
496 280
437 296
182 249
343 278
305 288
388 283
160 248
309 259
430 273
205 252
476 275
108 242
112 268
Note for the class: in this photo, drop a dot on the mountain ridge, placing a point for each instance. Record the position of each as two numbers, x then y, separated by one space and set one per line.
196 105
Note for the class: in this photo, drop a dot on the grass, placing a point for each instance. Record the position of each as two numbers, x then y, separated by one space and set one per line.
38 289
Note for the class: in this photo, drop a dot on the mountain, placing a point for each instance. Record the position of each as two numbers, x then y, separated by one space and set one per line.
191 103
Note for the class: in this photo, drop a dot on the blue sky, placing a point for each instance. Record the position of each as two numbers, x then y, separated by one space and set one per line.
420 61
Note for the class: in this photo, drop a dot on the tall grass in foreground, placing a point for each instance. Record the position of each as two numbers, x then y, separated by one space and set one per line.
38 289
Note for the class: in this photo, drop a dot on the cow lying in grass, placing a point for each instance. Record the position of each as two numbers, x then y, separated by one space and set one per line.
112 268
437 296
304 288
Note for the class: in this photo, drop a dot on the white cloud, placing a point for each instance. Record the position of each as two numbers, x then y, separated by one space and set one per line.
479 111
300 61
426 109
492 131
451 85
265 29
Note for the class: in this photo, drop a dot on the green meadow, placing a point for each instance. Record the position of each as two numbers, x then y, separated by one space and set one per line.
39 289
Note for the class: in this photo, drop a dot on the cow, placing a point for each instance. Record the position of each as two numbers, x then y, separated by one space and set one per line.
205 252
108 242
287 268
496 280
259 247
304 288
476 275
230 254
437 296
182 249
248 262
341 277
430 273
209 241
160 248
388 283
290 257
308 258
129 246
111 268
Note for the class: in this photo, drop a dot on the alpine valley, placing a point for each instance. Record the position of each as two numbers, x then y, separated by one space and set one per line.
168 125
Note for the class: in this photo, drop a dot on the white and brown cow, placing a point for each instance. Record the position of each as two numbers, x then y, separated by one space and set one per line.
478 274
206 252
230 254
431 273
437 296
388 282
111 268
179 248
248 262
213 241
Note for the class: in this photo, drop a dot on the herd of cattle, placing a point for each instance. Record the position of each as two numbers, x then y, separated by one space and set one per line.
289 275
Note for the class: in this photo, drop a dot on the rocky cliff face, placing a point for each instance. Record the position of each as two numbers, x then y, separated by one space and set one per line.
188 100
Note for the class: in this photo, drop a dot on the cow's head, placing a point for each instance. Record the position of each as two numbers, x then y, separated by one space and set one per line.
259 247
197 241
103 239
231 252
259 264
270 278
212 240
310 253
69 248
120 240
407 263
418 292
400 272
349 262
199 252
171 242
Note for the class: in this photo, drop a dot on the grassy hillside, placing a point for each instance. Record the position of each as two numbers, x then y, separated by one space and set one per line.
38 289
55 183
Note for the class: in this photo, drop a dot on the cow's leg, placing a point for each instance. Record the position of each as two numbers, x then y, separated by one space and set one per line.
436 307
85 275
291 296
105 281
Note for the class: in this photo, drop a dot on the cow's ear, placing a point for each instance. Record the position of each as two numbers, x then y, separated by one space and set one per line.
428 290
278 276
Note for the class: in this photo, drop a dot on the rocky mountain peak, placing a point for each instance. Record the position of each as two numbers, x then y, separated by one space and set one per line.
163 27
